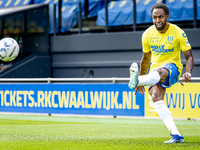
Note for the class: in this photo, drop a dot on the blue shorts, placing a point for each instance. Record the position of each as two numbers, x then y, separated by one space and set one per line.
172 77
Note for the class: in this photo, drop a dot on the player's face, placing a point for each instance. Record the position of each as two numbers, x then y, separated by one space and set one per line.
159 18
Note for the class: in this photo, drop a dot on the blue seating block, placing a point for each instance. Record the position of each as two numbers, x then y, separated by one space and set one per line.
69 17
120 12
6 3
70 11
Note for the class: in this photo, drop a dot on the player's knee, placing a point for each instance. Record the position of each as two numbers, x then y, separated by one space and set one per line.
156 96
163 74
156 93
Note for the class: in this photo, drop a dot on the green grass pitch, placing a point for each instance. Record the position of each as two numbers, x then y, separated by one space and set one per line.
29 132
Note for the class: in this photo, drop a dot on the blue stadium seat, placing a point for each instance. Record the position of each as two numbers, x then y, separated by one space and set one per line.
94 7
143 10
69 17
180 10
140 12
147 18
6 3
198 9
119 13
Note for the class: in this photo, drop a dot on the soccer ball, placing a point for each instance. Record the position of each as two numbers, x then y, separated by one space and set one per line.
9 49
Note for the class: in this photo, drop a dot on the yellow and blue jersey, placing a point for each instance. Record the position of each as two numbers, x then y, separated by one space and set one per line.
165 48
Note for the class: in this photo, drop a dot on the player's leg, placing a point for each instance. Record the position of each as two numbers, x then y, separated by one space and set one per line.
150 79
159 80
157 92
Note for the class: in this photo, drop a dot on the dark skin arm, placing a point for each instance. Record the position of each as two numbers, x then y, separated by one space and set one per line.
189 64
144 65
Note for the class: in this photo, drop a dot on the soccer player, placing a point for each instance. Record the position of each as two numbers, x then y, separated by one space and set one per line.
162 44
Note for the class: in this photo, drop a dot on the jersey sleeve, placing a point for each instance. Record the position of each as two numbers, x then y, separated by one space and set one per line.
184 44
145 43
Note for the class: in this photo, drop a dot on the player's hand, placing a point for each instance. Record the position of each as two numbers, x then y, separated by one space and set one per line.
141 90
186 77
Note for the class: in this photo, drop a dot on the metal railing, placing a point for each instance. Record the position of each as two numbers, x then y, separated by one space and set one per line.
50 80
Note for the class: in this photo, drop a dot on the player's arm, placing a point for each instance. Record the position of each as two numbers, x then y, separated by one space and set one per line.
144 65
189 65
145 61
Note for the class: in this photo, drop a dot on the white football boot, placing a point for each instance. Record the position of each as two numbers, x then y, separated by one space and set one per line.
133 76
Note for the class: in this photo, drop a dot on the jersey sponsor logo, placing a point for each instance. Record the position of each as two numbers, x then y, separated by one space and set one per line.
160 50
184 35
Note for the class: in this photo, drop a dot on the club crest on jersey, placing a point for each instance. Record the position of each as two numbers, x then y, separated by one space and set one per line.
170 39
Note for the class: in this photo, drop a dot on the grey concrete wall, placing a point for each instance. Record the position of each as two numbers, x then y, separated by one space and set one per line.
34 66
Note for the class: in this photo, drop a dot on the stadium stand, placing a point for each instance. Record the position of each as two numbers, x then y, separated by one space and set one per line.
70 11
120 12
105 55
